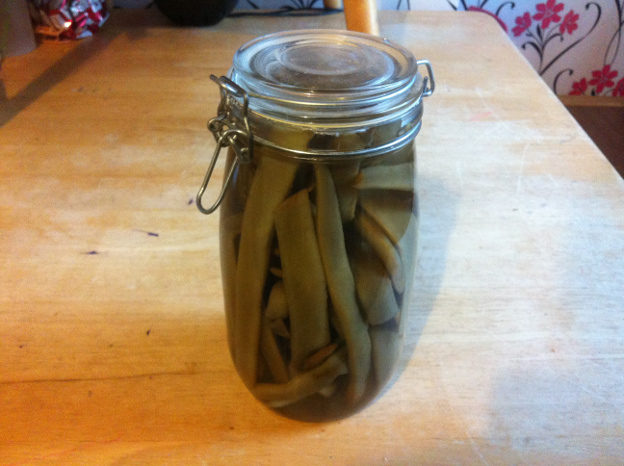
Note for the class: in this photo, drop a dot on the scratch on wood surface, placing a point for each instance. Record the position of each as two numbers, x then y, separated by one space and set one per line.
521 170
458 171
481 116
558 357
594 394
476 449
489 110
148 233
473 445
99 379
81 446
553 180
453 412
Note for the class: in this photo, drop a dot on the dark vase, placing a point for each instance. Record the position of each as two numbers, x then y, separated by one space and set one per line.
196 12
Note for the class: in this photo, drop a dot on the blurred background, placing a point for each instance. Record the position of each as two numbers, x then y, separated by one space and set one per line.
576 46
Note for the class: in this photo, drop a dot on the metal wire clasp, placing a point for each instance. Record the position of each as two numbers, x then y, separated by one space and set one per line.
429 83
231 129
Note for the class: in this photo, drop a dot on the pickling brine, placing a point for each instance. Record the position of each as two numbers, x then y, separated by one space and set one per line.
318 223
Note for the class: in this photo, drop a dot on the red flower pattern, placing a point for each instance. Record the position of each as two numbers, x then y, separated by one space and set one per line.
569 23
548 12
539 35
579 87
619 89
522 24
603 78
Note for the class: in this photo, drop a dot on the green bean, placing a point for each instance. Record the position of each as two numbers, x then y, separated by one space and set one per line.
244 175
335 323
387 338
344 176
347 199
386 348
374 289
398 177
304 384
304 281
407 250
319 356
340 282
277 310
228 235
345 173
276 272
383 247
277 307
271 183
272 354
278 327
328 390
392 211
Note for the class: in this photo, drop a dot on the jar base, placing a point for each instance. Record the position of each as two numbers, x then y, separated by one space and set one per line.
318 408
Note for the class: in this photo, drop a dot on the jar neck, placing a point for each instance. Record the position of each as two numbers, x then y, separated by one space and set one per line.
319 141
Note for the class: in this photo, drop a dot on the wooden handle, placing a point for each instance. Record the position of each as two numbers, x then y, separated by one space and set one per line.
333 4
361 15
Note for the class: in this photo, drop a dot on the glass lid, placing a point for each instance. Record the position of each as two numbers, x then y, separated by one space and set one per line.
326 75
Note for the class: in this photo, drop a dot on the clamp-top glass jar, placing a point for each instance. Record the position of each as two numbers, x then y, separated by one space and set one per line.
318 214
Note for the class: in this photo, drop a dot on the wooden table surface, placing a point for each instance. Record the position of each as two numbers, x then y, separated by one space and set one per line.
112 336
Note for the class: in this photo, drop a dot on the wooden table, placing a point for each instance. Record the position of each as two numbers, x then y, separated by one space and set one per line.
112 336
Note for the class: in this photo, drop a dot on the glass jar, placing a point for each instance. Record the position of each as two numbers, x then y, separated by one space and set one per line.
319 214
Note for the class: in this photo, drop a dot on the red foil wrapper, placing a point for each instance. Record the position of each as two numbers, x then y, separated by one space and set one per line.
68 19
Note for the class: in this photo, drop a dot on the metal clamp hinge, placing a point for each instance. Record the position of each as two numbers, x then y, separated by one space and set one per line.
231 129
429 81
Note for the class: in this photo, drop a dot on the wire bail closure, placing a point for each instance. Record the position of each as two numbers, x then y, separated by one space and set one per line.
429 79
230 128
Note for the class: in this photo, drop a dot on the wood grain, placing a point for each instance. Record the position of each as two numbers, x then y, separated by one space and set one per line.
112 338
